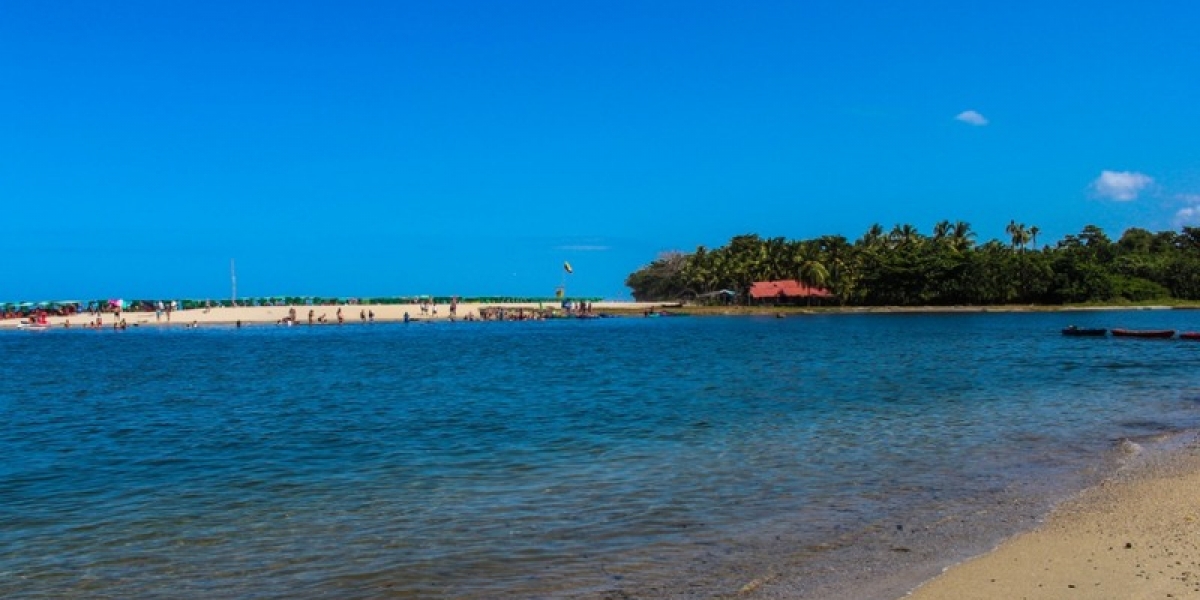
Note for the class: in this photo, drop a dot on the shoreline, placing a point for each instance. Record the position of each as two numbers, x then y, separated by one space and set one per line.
857 310
395 312
899 561
1136 533
1129 529
259 315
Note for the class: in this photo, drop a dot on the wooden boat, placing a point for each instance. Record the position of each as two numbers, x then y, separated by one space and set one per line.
1190 335
1084 331
1144 333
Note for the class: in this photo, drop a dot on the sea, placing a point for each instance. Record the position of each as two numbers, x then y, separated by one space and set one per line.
815 456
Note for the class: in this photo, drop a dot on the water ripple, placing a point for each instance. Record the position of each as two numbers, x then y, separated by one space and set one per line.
555 459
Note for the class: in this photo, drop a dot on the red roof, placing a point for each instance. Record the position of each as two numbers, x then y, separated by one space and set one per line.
787 288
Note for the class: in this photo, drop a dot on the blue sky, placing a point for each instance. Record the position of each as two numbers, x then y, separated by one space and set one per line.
377 148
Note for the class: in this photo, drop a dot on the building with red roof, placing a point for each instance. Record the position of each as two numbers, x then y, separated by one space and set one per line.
787 290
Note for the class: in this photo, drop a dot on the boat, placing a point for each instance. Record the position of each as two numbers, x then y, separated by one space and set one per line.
662 313
33 326
1084 331
1144 333
1190 335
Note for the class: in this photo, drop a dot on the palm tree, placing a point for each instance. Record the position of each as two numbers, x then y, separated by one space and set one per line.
962 235
873 238
941 230
806 259
776 256
1033 232
810 270
1019 233
698 273
837 252
904 235
747 260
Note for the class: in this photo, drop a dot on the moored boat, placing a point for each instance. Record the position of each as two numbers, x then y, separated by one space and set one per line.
1144 333
1084 331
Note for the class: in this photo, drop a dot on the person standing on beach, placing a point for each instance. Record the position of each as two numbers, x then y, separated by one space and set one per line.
362 316
310 316
340 318
371 316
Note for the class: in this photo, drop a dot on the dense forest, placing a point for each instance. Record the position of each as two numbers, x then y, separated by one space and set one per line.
903 267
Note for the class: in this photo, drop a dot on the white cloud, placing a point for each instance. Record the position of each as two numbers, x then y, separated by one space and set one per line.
1189 216
971 117
1122 186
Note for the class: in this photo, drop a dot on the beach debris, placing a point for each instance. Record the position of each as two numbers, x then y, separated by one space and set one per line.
1129 447
754 584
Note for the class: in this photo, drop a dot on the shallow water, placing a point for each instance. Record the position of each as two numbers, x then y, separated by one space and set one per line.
672 457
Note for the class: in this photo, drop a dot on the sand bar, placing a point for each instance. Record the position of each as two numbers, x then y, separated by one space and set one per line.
352 313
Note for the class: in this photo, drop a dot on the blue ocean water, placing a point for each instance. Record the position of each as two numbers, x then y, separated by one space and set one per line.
626 457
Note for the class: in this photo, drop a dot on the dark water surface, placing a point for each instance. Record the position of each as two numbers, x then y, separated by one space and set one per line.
614 458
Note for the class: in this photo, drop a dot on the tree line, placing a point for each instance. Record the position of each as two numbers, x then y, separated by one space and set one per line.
904 267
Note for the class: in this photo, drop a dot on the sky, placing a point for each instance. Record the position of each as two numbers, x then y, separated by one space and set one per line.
471 148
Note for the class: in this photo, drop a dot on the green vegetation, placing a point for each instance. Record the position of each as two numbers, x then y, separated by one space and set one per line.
903 267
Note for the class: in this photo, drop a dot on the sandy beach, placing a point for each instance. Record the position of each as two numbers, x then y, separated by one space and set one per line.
1137 535
352 313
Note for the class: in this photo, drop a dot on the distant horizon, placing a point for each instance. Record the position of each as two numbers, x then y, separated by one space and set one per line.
565 278
473 146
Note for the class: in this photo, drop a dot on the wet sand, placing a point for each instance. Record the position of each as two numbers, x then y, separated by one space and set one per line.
1136 535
